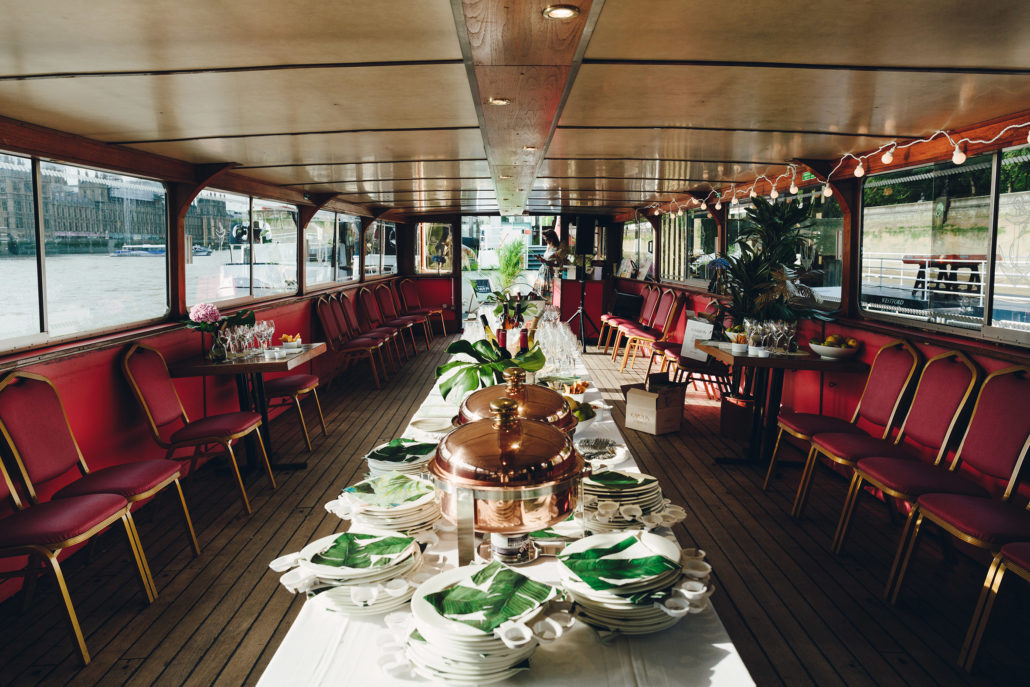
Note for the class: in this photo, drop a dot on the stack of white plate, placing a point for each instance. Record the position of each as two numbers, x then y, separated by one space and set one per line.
461 651
616 500
393 501
629 582
365 572
400 455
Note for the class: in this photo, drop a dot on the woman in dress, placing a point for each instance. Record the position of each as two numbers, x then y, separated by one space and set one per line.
554 258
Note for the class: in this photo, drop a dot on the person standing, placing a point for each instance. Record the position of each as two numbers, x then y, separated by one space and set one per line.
554 259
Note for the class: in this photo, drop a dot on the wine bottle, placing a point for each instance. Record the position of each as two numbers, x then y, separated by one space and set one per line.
523 341
488 333
502 343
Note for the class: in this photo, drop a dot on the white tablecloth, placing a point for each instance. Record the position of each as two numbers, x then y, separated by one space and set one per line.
325 648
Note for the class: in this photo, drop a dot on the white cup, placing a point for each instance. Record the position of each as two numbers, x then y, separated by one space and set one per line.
673 606
693 590
738 348
764 353
692 553
396 587
514 635
607 508
630 511
696 568
364 596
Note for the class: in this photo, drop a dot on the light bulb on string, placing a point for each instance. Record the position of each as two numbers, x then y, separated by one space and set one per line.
860 170
958 157
704 205
733 200
827 191
793 188
774 194
752 194
718 205
888 157
679 212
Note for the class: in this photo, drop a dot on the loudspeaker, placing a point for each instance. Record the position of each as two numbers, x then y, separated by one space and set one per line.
585 235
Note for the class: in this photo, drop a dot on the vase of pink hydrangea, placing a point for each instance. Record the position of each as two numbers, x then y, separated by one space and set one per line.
205 318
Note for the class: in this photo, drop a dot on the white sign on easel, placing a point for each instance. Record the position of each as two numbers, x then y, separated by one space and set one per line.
697 330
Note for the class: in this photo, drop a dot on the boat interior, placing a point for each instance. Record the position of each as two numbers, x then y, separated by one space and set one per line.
346 168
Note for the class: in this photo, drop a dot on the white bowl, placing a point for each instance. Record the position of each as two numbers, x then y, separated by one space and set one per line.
292 344
832 352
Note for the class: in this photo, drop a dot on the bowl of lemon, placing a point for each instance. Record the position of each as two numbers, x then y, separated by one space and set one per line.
834 347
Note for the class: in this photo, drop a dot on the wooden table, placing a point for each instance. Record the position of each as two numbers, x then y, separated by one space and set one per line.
768 386
250 387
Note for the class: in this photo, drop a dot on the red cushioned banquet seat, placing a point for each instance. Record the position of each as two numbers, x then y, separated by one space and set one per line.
852 446
361 343
289 385
1018 552
224 425
810 424
914 477
128 479
57 521
641 332
989 520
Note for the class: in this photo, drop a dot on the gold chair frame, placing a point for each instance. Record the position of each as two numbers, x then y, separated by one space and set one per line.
419 306
225 441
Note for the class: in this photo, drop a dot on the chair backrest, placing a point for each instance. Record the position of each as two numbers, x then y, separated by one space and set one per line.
36 428
7 490
147 374
350 314
650 305
893 370
327 317
369 307
666 310
346 331
384 296
998 435
945 386
409 294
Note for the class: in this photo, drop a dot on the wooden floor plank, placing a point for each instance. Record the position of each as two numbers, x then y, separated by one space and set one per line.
798 614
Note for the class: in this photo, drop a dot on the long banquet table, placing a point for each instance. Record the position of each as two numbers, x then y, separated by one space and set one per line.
329 648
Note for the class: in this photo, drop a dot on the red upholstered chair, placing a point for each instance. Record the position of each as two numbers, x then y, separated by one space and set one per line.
347 312
412 301
945 387
369 309
641 337
646 319
384 297
945 384
289 390
995 446
1014 557
892 371
147 374
366 344
36 429
610 323
42 530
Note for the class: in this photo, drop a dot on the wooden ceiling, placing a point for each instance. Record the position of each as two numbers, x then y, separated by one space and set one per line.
631 102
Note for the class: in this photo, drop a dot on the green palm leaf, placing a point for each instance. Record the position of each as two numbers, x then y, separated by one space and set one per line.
351 550
498 594
600 572
389 490
619 480
402 451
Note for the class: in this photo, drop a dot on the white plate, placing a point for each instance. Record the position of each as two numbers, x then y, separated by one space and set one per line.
331 572
432 425
655 544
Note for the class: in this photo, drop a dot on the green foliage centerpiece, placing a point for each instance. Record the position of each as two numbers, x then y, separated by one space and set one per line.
485 368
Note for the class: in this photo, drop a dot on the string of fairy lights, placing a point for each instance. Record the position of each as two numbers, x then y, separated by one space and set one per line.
885 153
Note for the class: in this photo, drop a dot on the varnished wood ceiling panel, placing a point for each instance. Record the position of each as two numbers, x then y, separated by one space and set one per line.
368 146
675 171
136 108
516 33
704 145
891 103
364 172
405 187
936 33
115 35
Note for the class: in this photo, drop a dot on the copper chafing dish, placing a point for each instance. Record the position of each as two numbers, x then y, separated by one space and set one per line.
506 476
534 402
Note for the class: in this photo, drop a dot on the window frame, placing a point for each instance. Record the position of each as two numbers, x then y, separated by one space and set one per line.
986 332
43 336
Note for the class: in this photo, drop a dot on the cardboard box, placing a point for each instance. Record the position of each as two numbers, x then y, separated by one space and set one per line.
657 411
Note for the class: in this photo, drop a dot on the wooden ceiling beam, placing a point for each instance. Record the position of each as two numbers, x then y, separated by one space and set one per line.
513 52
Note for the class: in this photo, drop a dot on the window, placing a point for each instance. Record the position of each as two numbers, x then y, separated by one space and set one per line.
926 237
637 251
822 258
273 247
1010 304
374 249
433 249
389 249
217 225
319 249
348 242
19 274
689 242
221 246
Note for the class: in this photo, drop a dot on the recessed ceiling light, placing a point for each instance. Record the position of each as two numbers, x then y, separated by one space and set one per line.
529 149
499 101
505 176
561 11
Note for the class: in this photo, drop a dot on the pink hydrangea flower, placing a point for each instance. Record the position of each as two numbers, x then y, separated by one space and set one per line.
205 312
